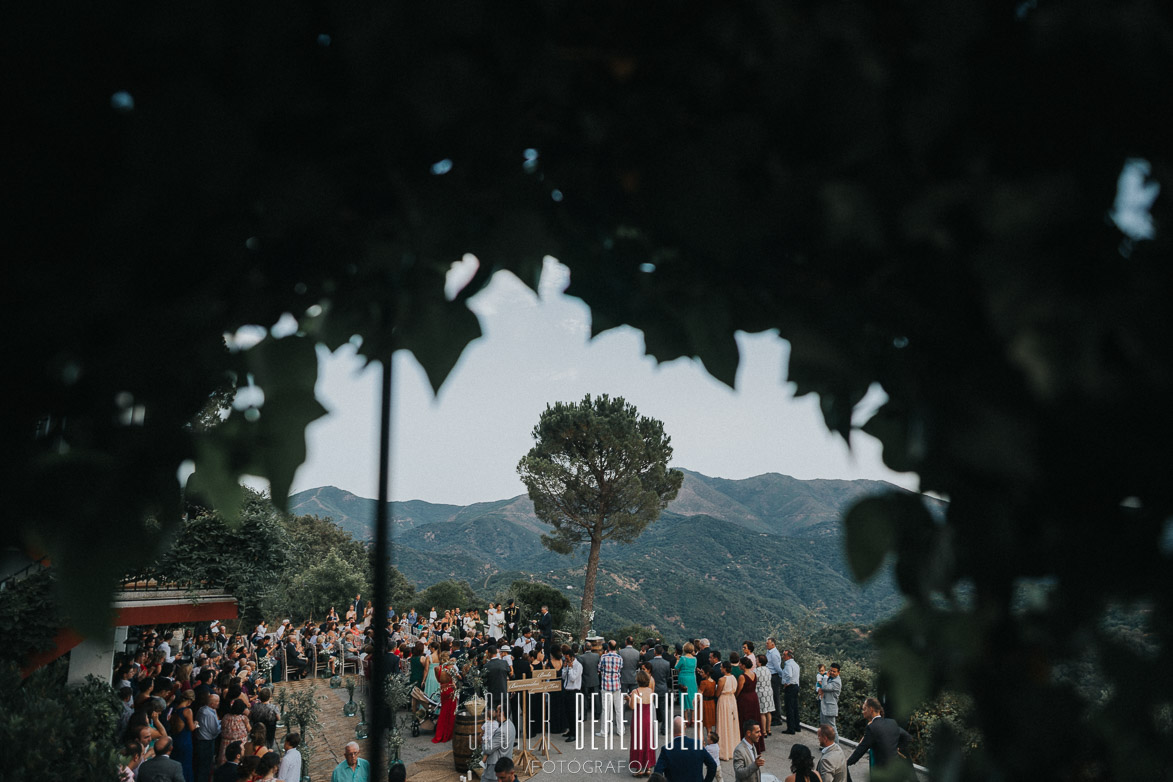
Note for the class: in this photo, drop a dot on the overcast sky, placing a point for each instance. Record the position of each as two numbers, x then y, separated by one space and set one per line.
463 445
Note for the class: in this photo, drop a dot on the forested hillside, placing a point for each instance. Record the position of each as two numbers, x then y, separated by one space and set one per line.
729 558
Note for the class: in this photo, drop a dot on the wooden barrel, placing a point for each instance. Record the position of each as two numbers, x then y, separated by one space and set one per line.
465 736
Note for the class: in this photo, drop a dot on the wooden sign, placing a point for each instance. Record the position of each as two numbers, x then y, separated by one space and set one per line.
545 673
535 685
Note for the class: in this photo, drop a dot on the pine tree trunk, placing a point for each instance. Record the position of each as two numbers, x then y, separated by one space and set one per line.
588 588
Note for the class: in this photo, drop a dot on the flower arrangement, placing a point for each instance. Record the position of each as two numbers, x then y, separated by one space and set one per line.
350 708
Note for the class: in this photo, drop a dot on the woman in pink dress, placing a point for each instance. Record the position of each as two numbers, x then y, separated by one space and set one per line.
642 757
235 727
727 725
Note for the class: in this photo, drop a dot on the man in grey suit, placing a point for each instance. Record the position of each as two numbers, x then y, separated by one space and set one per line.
829 697
500 745
747 763
660 673
630 657
161 768
883 737
590 677
832 766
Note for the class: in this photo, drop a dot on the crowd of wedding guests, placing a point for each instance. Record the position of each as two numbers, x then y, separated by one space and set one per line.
208 703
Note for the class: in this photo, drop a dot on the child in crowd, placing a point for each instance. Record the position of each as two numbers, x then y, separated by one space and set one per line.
714 749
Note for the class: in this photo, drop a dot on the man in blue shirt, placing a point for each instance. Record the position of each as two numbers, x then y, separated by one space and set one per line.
353 768
790 691
774 664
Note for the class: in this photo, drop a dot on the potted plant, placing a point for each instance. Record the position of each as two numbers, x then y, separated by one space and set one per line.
282 699
301 709
360 730
350 708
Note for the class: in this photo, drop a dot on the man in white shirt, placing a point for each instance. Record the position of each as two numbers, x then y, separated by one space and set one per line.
291 761
165 648
282 628
572 684
790 691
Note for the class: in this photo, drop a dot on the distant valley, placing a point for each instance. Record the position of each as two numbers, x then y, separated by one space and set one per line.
726 559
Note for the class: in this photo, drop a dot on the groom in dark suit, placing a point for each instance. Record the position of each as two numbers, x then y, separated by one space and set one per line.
684 761
883 737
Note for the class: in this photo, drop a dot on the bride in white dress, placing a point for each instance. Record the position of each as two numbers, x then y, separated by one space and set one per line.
496 621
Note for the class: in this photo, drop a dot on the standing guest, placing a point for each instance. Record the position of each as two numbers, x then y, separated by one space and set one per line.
557 704
512 620
496 621
182 729
267 767
642 755
228 771
546 628
500 746
522 668
708 693
631 659
883 737
832 762
829 697
352 768
802 763
747 756
790 673
727 725
255 746
747 699
132 756
248 767
446 722
682 759
497 673
774 663
504 770
431 686
765 690
713 747
590 678
161 768
235 726
572 685
686 677
416 665
291 761
207 731
611 678
660 673
126 695
264 713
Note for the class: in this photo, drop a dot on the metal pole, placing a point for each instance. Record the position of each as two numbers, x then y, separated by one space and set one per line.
382 556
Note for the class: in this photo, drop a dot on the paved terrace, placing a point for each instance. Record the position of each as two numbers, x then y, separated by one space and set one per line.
428 762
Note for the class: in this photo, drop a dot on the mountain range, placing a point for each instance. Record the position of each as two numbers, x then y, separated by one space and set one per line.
728 559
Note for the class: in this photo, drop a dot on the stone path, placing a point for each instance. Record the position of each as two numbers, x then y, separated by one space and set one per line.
428 762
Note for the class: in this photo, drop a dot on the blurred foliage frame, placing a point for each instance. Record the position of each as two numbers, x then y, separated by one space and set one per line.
918 195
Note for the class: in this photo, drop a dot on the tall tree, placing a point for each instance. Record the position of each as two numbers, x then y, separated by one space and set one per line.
598 471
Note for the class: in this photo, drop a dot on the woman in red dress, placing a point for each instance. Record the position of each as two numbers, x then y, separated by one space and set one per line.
642 757
446 724
747 699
